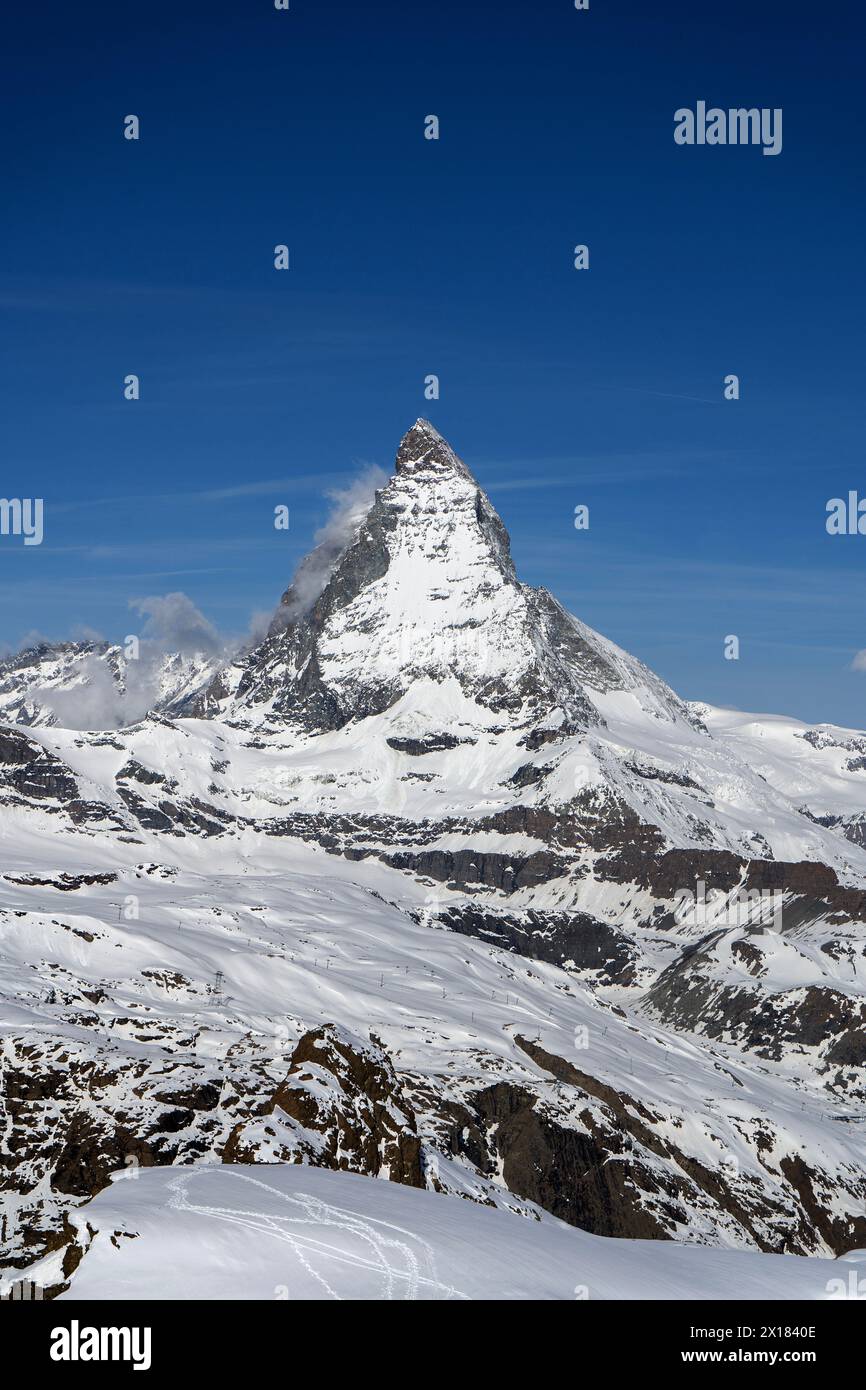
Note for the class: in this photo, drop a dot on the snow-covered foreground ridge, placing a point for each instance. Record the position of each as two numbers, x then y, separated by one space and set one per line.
435 884
289 1233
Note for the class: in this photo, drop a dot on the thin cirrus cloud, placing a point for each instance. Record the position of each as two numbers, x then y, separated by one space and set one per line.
261 487
598 470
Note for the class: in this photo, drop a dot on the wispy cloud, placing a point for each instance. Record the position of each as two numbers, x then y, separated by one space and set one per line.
349 507
258 487
603 470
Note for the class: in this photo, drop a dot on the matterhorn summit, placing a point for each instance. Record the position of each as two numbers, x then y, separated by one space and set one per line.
425 590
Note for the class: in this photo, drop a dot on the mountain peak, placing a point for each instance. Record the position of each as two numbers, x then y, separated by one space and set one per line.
423 426
424 595
423 451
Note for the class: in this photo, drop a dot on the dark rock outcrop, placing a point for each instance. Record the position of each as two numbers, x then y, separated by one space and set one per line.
340 1106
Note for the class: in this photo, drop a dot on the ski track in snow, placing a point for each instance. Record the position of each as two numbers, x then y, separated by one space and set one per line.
319 1214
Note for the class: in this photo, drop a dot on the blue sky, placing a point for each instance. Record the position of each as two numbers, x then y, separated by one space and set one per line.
453 257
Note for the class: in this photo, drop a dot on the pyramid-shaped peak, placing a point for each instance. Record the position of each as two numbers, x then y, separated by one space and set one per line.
423 450
421 595
425 428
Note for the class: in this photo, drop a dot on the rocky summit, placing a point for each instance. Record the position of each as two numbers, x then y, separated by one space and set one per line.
434 884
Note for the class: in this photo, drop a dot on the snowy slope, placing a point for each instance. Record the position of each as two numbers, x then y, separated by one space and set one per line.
179 1024
287 1233
820 768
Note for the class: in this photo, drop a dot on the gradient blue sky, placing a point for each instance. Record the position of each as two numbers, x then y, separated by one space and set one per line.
409 257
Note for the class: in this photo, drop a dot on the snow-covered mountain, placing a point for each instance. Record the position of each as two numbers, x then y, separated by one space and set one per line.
426 591
438 884
95 684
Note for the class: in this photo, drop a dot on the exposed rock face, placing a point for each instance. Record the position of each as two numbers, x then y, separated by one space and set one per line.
572 940
30 770
433 743
631 1193
340 1106
852 827
602 1159
697 994
74 1115
31 774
